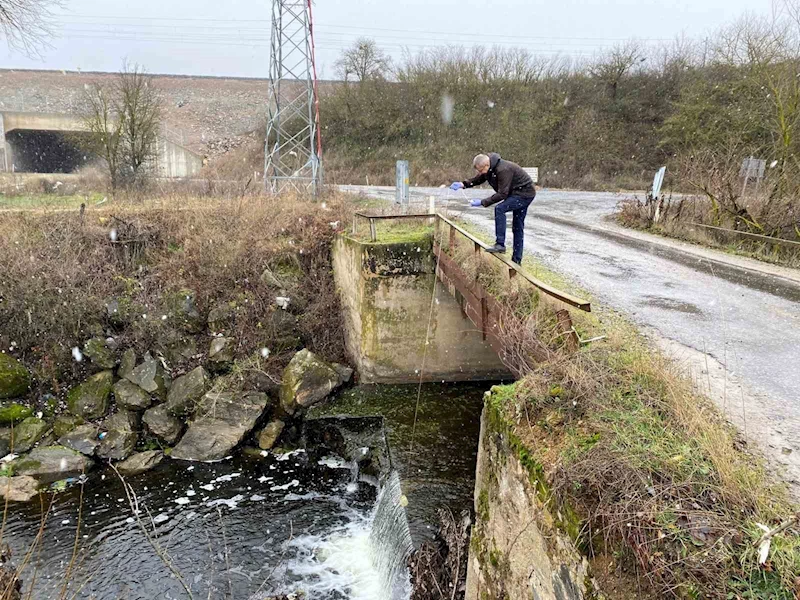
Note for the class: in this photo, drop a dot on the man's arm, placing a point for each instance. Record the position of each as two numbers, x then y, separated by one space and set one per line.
475 181
504 179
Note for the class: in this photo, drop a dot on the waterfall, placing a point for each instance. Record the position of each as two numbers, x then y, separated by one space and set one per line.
390 540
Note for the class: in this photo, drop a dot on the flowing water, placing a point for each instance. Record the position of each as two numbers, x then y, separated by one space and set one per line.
256 526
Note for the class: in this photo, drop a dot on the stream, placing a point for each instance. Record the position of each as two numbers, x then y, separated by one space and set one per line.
260 524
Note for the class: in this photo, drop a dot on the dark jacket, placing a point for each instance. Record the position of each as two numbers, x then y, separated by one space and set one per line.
507 179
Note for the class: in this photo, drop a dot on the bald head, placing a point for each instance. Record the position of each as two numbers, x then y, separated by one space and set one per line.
480 161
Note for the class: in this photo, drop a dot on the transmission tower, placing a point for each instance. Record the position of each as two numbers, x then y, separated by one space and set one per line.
293 150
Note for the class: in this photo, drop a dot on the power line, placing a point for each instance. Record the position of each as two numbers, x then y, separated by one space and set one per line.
343 41
265 43
365 30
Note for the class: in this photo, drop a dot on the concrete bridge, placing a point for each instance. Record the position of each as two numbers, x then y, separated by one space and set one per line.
50 143
411 312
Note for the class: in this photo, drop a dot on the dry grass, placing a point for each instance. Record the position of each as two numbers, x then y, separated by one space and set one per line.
678 219
57 272
653 470
658 478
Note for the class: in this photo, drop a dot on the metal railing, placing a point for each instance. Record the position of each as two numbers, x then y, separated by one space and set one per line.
752 236
514 269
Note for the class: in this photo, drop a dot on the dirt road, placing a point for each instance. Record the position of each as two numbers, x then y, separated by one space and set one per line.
733 323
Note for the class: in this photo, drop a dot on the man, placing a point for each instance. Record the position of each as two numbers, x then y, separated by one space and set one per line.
514 192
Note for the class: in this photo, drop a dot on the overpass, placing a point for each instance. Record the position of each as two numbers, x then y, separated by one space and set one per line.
32 142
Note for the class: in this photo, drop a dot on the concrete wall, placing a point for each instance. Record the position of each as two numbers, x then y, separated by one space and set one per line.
519 549
386 294
174 160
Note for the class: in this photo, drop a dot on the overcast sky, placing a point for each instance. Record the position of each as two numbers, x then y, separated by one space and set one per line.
231 37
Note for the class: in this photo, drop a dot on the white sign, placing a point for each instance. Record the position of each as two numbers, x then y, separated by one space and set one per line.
658 181
533 172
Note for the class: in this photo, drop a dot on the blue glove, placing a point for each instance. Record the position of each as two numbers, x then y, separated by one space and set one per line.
456 185
475 203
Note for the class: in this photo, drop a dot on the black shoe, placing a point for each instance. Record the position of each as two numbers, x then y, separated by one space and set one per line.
496 249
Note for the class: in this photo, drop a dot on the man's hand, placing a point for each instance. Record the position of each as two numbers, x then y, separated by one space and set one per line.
456 185
475 203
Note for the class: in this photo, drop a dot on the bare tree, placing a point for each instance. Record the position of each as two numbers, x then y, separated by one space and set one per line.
140 106
363 61
26 23
102 120
124 121
613 66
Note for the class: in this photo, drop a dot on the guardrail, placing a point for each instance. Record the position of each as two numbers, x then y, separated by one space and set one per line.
514 269
752 236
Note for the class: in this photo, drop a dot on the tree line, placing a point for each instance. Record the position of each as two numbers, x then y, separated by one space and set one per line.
699 107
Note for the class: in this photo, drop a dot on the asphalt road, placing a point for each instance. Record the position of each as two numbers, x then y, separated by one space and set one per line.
734 323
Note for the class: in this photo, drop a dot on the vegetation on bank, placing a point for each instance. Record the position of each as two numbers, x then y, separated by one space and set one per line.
65 279
664 490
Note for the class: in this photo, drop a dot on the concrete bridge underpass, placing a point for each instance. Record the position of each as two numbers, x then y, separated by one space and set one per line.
51 143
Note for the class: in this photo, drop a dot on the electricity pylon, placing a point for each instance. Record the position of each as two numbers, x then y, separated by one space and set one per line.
293 150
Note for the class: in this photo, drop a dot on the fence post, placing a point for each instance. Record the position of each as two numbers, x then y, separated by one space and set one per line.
373 233
565 327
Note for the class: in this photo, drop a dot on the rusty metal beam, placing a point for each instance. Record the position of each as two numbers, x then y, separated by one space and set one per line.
549 290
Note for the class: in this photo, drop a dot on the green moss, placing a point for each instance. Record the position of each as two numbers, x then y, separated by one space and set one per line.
14 377
65 423
12 413
483 506
89 400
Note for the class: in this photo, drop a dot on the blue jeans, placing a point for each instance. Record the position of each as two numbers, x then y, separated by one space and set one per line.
519 208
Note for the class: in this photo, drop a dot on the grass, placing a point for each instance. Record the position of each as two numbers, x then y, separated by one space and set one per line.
655 473
47 201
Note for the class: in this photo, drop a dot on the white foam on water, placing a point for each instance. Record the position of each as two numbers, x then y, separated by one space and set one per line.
339 562
364 559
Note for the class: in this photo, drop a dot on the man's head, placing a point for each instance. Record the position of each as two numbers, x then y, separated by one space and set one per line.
481 164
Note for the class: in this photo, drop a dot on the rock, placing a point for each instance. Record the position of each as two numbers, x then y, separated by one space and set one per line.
182 305
13 412
223 421
121 436
150 376
221 316
52 463
163 425
100 354
220 353
178 347
281 328
65 423
14 377
270 434
306 380
113 309
131 396
127 364
82 439
27 433
141 462
89 400
5 442
19 489
345 372
186 392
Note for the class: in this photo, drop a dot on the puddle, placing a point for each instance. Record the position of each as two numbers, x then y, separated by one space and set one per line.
671 304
